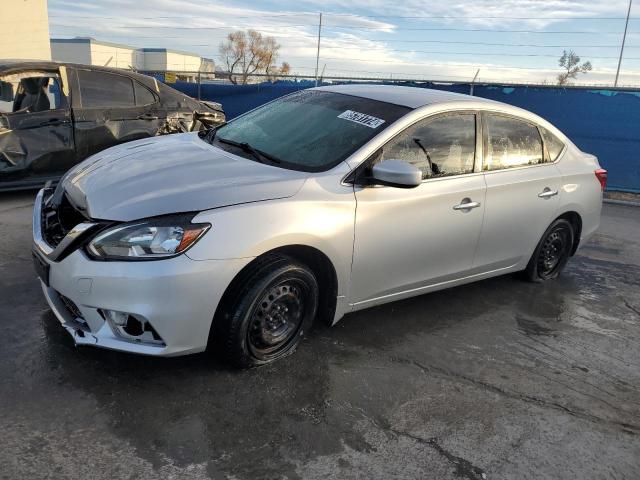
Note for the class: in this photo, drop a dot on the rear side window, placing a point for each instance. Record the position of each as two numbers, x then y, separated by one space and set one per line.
143 95
511 143
105 90
439 147
552 144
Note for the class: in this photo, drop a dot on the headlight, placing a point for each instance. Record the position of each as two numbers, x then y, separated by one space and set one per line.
147 240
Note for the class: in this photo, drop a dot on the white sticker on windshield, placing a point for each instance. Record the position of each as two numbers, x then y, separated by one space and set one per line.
361 118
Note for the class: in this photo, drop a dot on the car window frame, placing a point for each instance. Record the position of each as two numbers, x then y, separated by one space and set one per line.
156 98
105 107
485 139
360 173
546 150
60 75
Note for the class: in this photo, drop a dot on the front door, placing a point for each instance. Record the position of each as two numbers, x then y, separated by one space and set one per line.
36 130
409 239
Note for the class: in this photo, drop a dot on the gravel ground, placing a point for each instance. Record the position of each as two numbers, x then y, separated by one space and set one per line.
498 379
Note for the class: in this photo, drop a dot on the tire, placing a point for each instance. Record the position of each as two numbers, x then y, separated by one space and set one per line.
552 253
272 307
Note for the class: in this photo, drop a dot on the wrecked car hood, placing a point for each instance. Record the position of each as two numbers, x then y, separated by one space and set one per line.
171 174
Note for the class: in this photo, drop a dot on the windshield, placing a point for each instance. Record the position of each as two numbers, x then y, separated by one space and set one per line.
311 130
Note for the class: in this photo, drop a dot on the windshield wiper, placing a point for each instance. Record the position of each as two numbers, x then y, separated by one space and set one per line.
211 133
259 155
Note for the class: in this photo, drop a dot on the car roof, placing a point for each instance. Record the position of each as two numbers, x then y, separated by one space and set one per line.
8 66
412 97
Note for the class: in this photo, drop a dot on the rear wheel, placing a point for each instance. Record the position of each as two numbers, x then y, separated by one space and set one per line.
552 253
275 304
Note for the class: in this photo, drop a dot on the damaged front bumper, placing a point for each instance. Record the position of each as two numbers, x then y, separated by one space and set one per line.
173 300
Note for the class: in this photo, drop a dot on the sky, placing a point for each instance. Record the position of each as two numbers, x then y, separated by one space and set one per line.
507 41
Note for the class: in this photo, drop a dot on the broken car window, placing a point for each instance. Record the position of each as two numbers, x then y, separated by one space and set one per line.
29 92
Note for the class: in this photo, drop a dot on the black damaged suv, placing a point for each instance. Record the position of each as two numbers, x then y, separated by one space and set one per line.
54 115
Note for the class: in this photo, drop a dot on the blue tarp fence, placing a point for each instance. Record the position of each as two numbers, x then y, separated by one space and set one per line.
603 122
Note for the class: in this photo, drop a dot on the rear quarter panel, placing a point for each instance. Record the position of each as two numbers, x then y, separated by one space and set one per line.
580 191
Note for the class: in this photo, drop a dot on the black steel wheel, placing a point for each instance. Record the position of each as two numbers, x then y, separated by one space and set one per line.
277 317
552 253
274 303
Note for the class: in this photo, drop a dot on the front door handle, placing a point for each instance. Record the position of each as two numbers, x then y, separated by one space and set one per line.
147 116
466 204
548 193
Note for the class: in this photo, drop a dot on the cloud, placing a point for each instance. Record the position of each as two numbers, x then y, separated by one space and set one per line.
359 37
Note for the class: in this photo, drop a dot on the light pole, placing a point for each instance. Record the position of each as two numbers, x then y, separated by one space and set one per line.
318 52
624 37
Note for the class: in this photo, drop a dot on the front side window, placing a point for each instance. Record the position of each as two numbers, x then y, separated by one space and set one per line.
439 147
105 90
552 144
311 130
30 92
511 143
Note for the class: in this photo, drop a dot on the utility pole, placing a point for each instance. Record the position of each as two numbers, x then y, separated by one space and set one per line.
473 81
318 53
624 37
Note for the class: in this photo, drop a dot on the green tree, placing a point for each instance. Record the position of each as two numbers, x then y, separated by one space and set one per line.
570 62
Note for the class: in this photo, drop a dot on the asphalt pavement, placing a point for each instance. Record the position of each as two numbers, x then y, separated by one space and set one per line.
497 379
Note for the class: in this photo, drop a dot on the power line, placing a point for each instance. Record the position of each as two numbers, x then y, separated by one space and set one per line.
555 17
353 42
364 27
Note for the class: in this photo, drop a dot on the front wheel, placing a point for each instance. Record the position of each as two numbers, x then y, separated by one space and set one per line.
552 253
274 306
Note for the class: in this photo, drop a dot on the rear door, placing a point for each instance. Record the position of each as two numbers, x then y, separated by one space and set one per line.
36 133
409 239
522 191
112 109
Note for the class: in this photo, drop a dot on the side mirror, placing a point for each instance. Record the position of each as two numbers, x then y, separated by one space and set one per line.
396 173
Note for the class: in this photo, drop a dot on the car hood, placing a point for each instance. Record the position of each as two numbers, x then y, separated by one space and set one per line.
171 174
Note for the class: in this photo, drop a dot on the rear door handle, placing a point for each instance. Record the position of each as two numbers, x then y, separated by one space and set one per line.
547 193
147 116
53 122
466 204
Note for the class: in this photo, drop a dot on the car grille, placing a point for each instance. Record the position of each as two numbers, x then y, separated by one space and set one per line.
58 220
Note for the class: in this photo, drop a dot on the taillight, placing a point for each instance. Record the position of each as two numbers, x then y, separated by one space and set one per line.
601 175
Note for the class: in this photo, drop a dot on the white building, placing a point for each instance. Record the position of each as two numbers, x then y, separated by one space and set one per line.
90 51
25 30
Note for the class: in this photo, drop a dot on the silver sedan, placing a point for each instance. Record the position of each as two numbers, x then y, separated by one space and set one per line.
320 203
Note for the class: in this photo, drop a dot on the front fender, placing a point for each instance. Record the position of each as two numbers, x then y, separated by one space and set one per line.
318 217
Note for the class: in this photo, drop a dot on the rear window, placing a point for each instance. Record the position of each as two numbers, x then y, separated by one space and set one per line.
105 90
511 143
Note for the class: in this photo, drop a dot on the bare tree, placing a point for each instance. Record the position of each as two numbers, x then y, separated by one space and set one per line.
274 73
572 67
248 53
